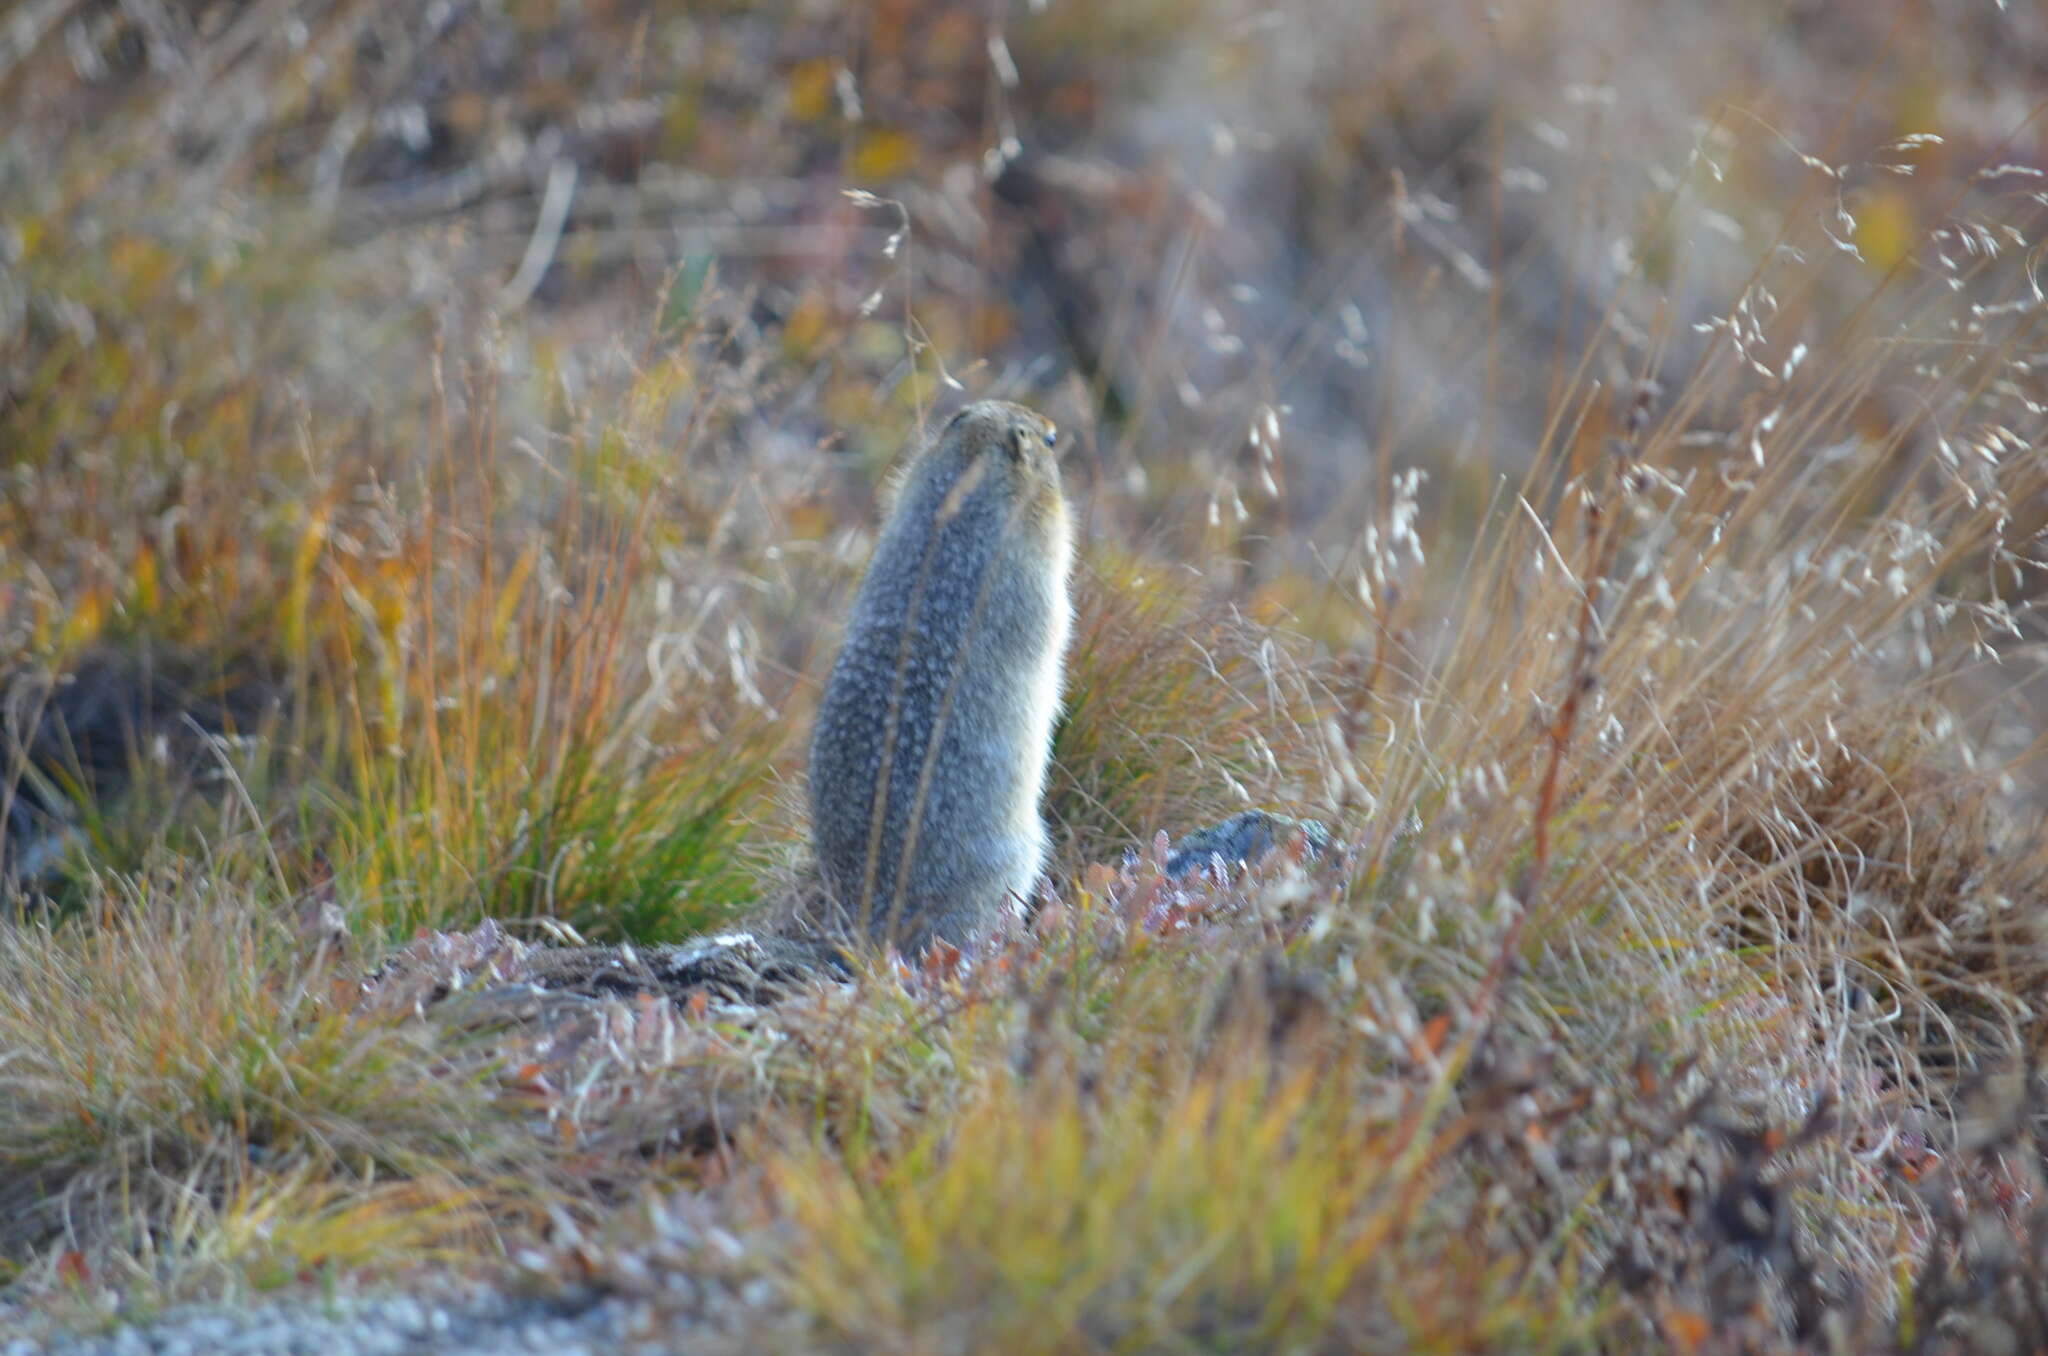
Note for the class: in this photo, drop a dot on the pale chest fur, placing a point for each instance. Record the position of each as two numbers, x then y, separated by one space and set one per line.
1044 690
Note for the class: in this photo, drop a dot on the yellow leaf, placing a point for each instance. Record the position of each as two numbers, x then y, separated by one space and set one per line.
808 521
882 154
85 621
144 582
810 90
1886 230
805 326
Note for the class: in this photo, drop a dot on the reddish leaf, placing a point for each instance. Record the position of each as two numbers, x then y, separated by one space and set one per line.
1686 1331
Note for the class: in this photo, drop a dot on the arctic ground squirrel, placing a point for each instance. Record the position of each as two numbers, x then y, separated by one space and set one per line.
930 754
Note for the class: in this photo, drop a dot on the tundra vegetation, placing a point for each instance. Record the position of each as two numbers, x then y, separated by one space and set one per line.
1589 453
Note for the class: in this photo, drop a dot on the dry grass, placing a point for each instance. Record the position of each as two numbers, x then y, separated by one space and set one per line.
1612 504
1179 713
213 1096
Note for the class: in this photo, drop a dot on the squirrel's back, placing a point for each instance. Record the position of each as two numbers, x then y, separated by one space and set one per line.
931 749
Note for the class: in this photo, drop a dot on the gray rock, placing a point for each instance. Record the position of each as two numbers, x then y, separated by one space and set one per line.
488 1322
1246 837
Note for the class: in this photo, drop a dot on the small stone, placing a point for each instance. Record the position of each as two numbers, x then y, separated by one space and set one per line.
1245 837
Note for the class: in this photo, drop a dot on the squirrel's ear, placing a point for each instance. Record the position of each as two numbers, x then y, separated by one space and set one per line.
1020 442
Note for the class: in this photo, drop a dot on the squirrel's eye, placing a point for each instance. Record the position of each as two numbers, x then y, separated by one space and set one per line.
1052 437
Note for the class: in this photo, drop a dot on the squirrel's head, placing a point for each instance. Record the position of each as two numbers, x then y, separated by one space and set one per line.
992 444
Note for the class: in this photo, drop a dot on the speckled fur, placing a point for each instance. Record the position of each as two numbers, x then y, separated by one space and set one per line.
947 689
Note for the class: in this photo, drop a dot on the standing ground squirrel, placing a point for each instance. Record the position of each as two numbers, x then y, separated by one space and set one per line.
930 753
